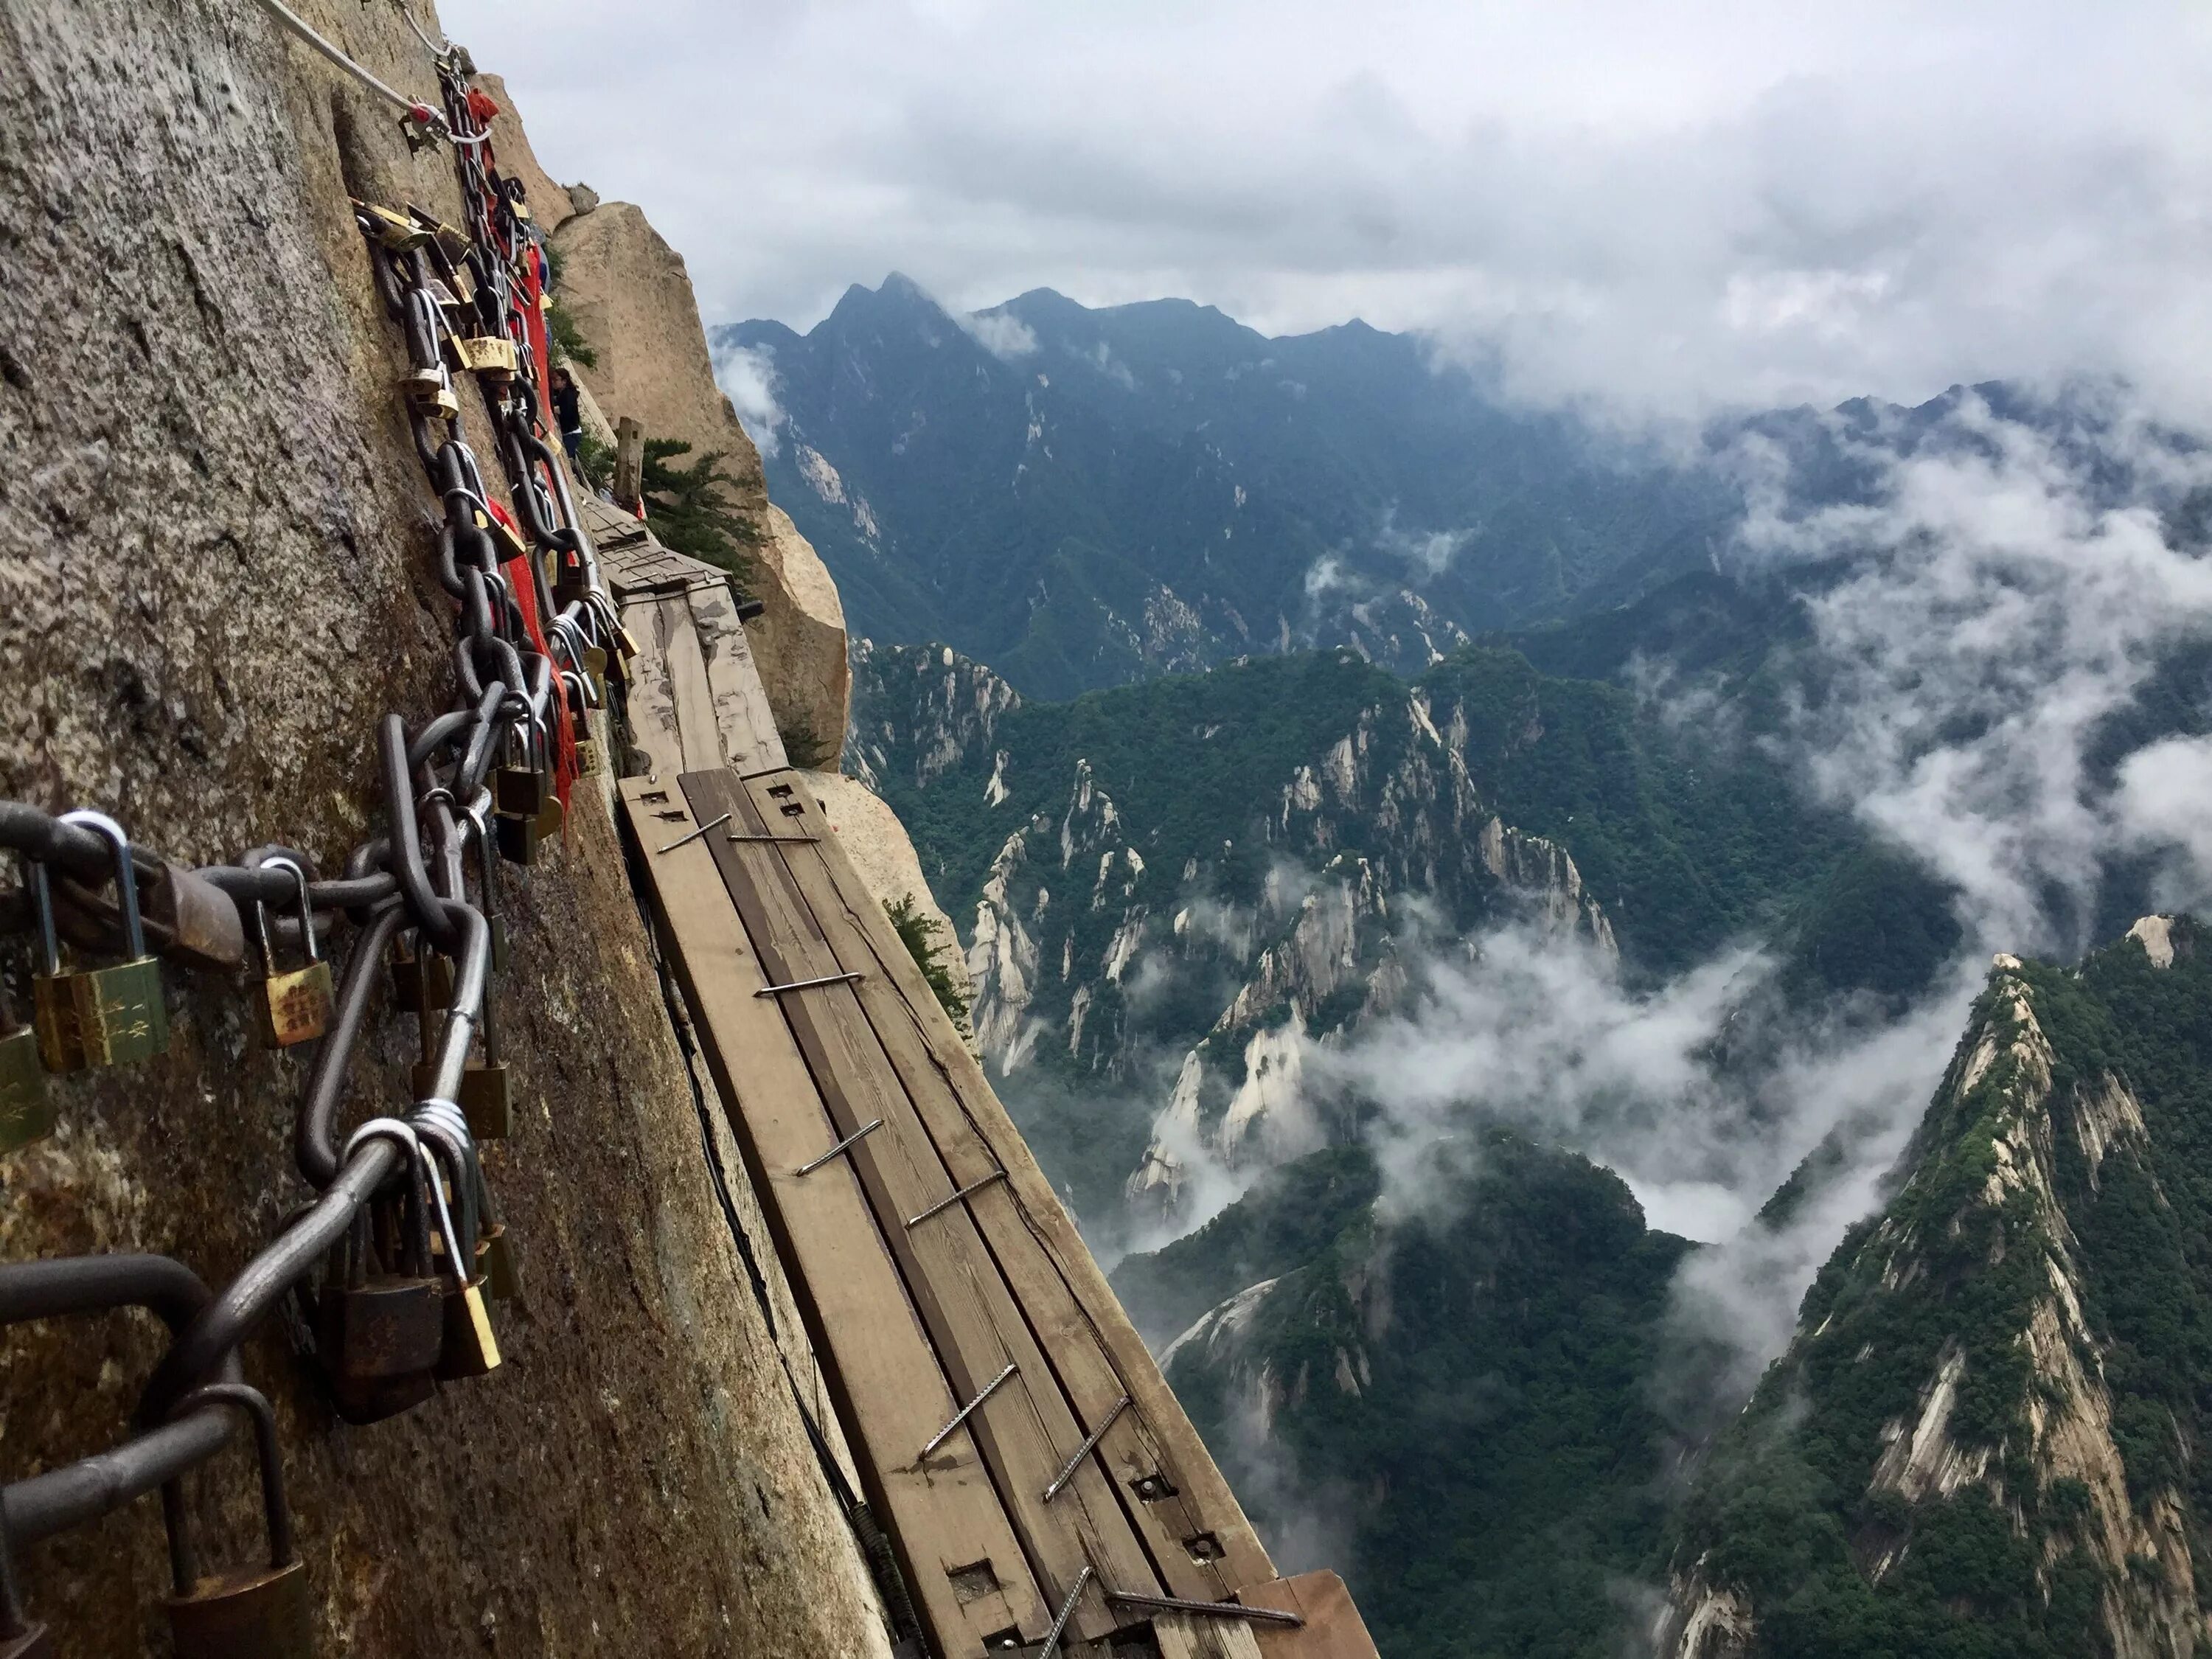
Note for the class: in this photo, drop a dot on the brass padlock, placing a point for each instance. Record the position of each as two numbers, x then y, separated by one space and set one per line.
504 536
19 1637
522 786
395 232
429 392
204 923
27 1111
121 1017
488 355
471 1347
54 996
248 1613
295 1004
587 758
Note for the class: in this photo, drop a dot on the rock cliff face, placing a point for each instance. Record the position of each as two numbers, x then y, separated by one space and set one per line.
1244 891
213 580
1988 1427
632 300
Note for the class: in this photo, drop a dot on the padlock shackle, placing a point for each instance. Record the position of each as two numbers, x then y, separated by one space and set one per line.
307 908
126 875
275 1508
42 900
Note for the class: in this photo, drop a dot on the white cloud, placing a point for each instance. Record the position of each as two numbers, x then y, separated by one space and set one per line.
2002 604
748 380
1001 333
1662 207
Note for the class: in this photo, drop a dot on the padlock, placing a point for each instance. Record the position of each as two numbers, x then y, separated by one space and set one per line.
295 1005
517 837
452 242
19 1637
421 979
521 787
587 758
502 1273
27 1111
429 392
378 1336
203 922
395 232
505 538
121 1017
53 997
248 1613
488 355
471 1346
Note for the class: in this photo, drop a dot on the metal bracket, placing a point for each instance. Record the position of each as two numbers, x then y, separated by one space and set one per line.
682 841
811 1165
806 984
1090 1444
1066 1611
1212 1609
946 1203
966 1411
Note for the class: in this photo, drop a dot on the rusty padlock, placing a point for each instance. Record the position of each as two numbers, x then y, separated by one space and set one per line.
378 1335
247 1613
296 1003
121 1017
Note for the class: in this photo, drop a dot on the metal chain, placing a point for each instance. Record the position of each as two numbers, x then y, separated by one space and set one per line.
462 301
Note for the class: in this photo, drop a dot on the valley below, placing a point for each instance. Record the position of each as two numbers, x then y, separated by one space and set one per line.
1494 1051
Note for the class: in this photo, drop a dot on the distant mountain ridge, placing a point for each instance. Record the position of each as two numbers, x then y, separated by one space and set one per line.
1081 498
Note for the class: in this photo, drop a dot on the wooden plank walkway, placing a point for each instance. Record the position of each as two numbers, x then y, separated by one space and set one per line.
1007 1424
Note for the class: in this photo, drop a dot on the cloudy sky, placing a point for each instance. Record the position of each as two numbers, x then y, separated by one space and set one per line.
1671 205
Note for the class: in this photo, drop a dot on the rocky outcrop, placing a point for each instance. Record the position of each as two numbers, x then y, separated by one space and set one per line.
928 710
798 645
632 300
878 844
213 582
1997 1306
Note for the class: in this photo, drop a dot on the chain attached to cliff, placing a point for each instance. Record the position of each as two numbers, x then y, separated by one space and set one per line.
402 1227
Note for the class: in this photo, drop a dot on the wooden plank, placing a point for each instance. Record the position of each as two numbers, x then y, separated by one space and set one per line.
1195 1636
973 1321
1333 1630
742 714
698 733
1059 1282
918 1038
890 1392
652 706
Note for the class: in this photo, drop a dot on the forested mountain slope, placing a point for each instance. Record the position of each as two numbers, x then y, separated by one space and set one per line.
1170 888
1990 1435
1450 1391
1083 497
